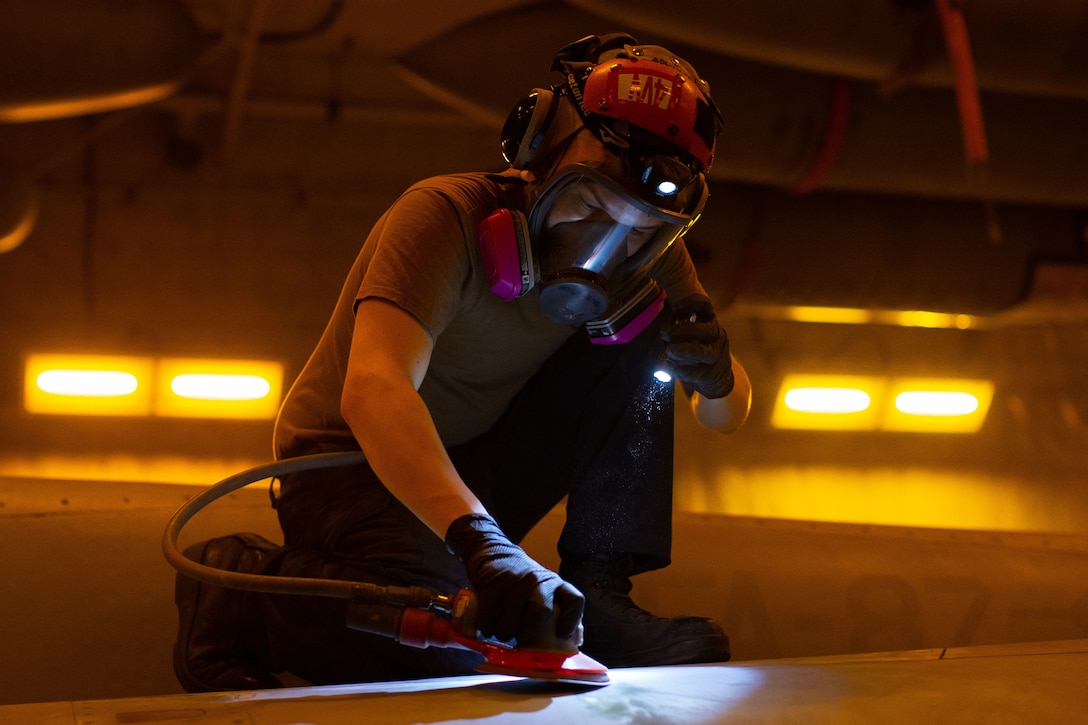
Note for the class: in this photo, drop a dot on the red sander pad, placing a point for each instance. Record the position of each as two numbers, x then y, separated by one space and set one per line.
420 628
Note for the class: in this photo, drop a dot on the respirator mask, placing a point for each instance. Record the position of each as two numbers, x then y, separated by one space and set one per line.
592 237
596 240
590 242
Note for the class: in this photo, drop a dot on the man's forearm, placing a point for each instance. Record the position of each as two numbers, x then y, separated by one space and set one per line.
407 454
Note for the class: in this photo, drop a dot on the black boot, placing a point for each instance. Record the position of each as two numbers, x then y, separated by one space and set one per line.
219 631
619 633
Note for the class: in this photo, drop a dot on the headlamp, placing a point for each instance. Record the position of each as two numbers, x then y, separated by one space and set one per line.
663 177
666 187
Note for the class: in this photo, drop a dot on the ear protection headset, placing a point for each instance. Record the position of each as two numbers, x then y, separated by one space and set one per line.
529 134
529 129
505 249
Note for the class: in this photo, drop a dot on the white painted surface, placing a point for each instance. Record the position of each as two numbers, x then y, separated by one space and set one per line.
1039 683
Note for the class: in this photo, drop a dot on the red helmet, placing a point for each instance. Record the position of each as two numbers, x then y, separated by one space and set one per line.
642 97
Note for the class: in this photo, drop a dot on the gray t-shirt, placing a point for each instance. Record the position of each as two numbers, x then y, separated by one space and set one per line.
422 255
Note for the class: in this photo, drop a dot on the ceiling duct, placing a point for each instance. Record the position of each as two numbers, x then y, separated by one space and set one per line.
1019 46
909 143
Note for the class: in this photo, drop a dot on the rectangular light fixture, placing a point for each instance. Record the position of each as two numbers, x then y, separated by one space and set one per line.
105 385
829 315
210 388
859 316
116 385
938 405
828 402
849 402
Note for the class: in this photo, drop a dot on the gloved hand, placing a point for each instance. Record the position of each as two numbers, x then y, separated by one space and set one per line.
697 348
516 597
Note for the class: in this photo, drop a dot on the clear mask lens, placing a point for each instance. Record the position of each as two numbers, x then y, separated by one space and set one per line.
585 220
592 234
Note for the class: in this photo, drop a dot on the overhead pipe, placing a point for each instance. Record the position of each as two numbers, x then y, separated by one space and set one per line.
834 136
963 72
64 58
243 73
18 207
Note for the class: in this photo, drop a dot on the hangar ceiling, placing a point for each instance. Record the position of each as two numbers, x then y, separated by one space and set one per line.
842 178
856 100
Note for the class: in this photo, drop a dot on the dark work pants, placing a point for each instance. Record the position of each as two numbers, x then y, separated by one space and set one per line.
592 425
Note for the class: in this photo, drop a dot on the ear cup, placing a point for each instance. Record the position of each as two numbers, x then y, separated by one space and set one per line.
526 131
506 254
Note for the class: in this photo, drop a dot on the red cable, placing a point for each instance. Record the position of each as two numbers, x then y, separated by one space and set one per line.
834 136
963 71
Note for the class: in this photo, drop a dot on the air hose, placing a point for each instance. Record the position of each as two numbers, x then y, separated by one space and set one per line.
355 591
413 616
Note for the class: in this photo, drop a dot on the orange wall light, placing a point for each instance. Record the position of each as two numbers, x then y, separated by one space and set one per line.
118 385
105 385
210 388
828 402
938 405
855 402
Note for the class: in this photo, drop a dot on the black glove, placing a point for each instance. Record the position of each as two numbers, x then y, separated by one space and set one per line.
516 597
697 348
